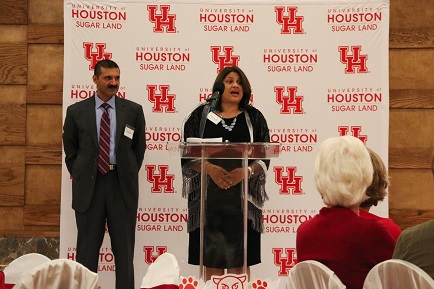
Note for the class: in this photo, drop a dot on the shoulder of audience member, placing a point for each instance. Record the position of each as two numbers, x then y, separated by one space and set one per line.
423 228
375 226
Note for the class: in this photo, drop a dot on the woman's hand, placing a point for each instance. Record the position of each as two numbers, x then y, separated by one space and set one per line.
236 176
219 175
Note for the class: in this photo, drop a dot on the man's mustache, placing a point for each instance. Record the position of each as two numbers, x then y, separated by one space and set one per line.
112 86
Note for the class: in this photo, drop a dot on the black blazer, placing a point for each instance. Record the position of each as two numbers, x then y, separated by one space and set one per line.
80 142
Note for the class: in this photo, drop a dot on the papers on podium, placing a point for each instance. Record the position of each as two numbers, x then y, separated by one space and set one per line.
204 140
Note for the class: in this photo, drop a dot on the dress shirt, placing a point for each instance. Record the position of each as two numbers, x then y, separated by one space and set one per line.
112 114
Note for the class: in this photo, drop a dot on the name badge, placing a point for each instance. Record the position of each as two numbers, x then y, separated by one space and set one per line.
129 131
214 117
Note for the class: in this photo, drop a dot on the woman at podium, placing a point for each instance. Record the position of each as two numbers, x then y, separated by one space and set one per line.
229 116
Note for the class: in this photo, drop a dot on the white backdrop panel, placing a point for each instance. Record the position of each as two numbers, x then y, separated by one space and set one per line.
318 69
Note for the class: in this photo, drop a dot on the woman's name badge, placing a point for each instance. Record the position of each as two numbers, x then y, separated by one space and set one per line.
214 117
129 131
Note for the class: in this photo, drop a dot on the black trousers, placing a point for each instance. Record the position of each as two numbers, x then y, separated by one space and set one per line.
108 206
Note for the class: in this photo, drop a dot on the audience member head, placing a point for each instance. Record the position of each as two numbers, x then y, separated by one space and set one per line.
343 171
380 181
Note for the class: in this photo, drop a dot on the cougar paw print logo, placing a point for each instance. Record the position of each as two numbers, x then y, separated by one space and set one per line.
188 283
259 284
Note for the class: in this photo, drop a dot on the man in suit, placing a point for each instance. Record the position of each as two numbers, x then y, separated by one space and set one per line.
104 147
416 244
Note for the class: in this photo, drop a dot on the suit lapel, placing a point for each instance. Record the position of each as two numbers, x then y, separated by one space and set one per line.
120 119
90 111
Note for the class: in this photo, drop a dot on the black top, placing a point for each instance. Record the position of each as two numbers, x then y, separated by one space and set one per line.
239 133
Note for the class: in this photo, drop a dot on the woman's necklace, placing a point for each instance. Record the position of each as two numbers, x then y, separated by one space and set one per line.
231 126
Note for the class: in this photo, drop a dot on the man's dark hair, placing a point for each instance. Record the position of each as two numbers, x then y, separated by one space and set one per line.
106 63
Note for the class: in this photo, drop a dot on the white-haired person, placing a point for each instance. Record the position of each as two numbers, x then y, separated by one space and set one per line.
338 237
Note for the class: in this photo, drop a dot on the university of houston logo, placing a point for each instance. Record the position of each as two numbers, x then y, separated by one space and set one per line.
162 100
150 255
289 184
291 24
354 60
285 261
95 52
355 132
164 22
222 56
161 180
291 103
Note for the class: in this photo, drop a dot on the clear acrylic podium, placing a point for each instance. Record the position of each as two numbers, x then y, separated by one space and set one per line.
237 155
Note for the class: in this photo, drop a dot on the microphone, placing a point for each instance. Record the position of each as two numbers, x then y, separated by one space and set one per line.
217 91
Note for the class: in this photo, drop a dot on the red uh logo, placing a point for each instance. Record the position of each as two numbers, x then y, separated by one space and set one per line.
159 181
150 255
225 59
291 102
164 99
354 59
291 23
284 262
95 56
290 182
355 130
162 20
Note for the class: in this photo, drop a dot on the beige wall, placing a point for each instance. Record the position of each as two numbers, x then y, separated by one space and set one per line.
31 73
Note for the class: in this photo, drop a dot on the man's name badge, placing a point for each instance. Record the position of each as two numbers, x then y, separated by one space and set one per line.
129 131
214 117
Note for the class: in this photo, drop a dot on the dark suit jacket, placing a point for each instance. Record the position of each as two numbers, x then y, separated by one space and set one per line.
415 245
80 142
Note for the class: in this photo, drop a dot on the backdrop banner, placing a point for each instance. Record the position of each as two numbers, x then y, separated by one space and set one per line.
318 69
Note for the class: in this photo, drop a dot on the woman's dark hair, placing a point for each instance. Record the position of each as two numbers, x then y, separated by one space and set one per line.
245 84
380 181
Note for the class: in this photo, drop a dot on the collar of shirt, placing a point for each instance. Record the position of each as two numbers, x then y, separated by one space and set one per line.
111 101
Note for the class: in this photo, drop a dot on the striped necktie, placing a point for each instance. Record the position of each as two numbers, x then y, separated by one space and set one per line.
104 141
